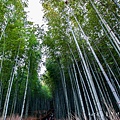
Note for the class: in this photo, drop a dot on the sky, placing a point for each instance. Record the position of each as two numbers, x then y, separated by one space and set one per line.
35 14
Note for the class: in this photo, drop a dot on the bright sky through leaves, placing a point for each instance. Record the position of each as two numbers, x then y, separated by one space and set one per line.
35 13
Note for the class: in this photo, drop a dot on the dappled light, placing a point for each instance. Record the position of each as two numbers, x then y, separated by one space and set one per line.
67 67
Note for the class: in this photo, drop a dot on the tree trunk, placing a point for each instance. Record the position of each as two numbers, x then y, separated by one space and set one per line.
25 93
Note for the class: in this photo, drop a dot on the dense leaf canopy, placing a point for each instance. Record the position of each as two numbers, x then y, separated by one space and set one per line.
82 50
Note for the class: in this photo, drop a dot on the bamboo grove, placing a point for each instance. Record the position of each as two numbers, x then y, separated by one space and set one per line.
83 50
20 55
82 47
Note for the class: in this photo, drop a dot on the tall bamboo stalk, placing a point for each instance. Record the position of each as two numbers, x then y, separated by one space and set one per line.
10 86
25 93
100 65
109 30
88 73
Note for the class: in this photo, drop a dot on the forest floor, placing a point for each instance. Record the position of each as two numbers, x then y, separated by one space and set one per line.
18 118
36 115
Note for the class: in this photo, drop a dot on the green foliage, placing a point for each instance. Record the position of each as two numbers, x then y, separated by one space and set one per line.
45 92
61 19
19 43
